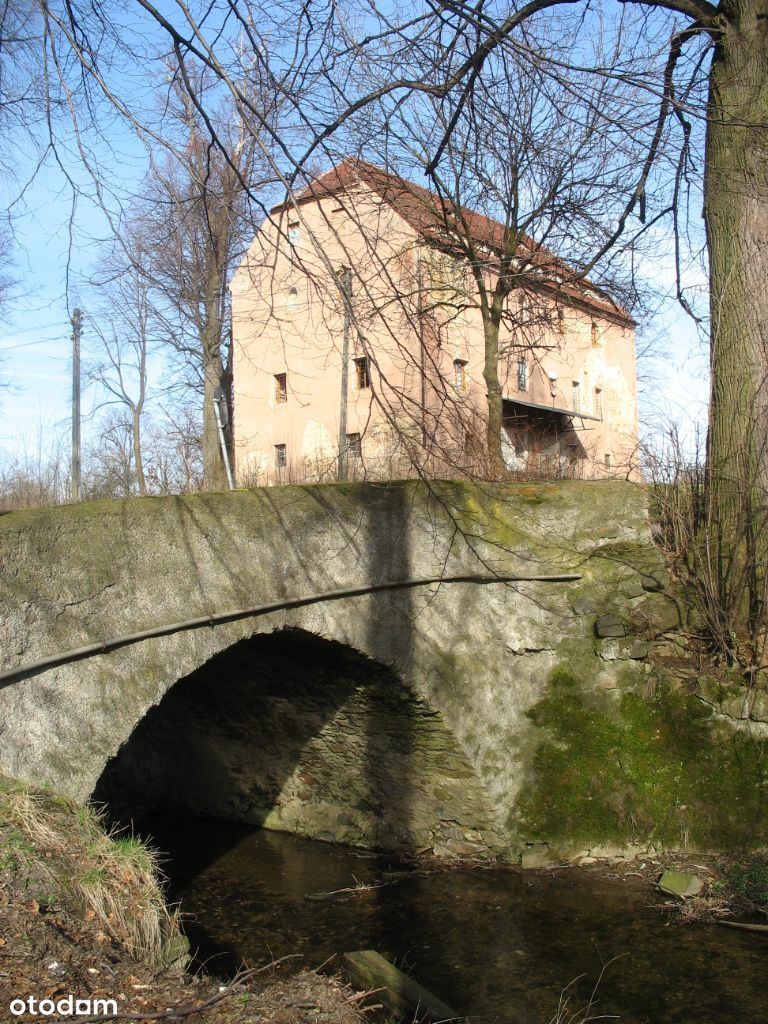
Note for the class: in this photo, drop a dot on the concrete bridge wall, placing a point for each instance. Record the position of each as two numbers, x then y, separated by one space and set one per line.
471 664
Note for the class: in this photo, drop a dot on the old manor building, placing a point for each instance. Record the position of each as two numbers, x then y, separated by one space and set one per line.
359 345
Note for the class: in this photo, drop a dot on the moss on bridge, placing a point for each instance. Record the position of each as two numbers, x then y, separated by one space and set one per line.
647 764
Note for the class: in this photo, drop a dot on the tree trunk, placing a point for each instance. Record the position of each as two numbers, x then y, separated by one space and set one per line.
214 472
214 379
138 460
736 217
496 466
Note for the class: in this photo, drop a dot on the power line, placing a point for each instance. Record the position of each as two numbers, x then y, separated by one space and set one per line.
29 344
32 330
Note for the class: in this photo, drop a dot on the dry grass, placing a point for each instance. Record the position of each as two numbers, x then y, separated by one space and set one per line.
112 880
567 1013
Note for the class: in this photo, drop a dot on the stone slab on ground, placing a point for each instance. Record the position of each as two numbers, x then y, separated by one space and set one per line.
678 883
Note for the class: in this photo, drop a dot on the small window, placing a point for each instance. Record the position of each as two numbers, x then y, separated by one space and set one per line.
572 451
281 388
598 403
281 456
294 233
607 460
595 333
292 302
460 375
354 447
560 321
362 373
576 396
522 375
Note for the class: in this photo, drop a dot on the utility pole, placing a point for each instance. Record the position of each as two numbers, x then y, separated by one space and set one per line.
346 289
222 420
76 334
422 350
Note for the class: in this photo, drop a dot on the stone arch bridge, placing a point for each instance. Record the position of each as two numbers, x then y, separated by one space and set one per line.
396 718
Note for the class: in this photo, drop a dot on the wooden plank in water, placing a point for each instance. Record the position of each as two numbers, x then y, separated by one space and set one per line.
403 997
761 929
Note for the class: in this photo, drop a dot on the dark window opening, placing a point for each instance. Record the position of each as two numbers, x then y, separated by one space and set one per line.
522 375
362 373
281 388
354 448
281 456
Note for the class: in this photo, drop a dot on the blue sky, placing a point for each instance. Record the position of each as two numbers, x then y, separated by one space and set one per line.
35 344
53 265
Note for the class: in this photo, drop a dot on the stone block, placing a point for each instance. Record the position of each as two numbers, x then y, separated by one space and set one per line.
679 883
639 649
463 849
656 614
535 855
609 625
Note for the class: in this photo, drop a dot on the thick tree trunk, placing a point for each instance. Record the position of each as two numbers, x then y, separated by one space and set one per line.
736 216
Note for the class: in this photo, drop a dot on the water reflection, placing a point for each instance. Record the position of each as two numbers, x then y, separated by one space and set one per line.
496 945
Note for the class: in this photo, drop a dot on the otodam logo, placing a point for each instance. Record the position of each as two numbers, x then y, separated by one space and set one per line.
67 1006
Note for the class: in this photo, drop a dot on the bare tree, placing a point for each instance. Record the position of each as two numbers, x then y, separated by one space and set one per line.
34 471
520 181
194 226
445 50
123 329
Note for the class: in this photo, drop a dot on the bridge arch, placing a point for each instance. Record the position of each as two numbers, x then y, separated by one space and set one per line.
303 734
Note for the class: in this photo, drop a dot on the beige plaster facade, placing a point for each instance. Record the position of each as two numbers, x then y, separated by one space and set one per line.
358 349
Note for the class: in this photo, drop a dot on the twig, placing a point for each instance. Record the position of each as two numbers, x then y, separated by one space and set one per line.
365 995
351 890
182 1012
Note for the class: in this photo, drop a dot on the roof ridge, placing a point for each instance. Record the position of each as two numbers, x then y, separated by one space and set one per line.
426 215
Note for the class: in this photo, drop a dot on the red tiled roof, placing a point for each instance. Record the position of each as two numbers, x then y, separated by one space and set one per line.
431 217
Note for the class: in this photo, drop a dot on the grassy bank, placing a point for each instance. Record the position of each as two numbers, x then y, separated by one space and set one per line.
58 855
83 917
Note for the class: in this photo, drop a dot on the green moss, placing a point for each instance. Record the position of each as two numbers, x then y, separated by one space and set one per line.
750 880
658 770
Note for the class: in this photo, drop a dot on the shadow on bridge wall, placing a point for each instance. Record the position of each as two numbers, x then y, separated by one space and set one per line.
302 734
299 734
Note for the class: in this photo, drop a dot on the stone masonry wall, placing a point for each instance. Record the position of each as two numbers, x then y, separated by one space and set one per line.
539 695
